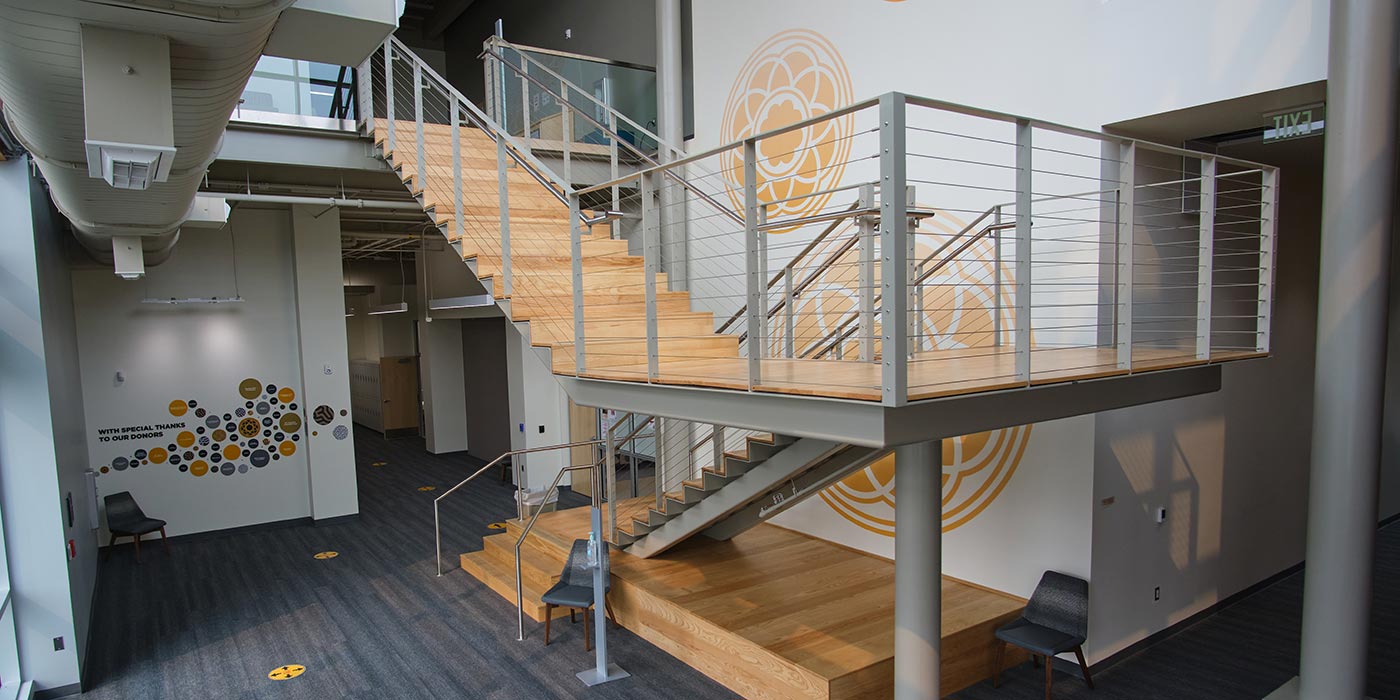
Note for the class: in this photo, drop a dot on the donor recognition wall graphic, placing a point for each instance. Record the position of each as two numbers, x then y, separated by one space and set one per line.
252 427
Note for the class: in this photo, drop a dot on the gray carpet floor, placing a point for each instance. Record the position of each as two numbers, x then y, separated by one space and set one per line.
214 617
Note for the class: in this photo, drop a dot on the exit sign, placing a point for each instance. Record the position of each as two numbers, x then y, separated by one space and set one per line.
1294 123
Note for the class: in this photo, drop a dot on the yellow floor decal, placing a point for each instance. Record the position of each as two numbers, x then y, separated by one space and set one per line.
326 555
496 526
377 464
288 672
427 488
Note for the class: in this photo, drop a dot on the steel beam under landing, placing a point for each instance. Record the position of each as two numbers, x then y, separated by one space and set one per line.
870 424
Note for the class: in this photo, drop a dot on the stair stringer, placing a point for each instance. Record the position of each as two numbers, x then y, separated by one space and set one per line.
760 480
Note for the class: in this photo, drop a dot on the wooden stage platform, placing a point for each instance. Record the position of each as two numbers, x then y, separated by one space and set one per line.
770 614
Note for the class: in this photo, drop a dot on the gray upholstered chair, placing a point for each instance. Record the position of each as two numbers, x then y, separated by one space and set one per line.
574 590
126 519
1056 620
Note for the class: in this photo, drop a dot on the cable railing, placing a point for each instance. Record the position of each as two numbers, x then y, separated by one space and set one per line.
982 250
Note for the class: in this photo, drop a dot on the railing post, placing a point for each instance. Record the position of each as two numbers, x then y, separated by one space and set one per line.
763 329
566 112
1205 264
524 103
1127 184
1268 228
503 202
894 263
754 282
421 166
996 278
789 316
1022 283
718 446
576 253
650 262
914 323
615 226
458 220
865 292
610 462
916 342
389 91
488 80
364 95
660 430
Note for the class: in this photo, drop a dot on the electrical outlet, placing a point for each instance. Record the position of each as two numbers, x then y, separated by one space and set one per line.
58 643
1157 593
541 430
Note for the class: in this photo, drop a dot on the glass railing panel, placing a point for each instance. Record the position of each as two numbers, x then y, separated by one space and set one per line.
283 86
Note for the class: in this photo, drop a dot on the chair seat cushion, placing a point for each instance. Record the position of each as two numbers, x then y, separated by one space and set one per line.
137 527
1037 639
569 596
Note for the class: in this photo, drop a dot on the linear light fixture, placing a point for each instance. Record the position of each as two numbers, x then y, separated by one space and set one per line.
192 300
467 302
399 308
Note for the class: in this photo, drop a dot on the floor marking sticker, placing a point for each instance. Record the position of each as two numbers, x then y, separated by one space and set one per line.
326 555
377 464
427 488
288 672
496 526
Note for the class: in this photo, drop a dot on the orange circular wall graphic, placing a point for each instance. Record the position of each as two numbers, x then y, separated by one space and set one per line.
178 407
794 75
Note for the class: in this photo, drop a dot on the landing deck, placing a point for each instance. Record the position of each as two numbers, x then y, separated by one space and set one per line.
776 614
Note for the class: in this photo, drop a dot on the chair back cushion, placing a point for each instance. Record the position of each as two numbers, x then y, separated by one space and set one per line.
1061 602
576 571
122 511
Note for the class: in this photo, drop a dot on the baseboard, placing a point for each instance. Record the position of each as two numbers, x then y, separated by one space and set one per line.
337 520
226 532
63 691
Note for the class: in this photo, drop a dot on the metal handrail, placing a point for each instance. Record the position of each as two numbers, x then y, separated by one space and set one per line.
519 501
651 164
519 586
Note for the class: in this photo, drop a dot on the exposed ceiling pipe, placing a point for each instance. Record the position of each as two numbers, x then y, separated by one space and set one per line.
213 48
322 201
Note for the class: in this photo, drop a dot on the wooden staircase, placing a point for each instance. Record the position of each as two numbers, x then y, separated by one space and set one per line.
541 265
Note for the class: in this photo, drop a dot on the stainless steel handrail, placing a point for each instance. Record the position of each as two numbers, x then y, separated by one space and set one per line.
519 502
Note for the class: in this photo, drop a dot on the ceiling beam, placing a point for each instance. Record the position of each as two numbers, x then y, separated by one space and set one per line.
446 12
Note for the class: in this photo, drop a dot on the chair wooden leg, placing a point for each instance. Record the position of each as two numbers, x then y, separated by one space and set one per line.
996 667
572 619
1035 661
137 540
548 615
164 541
1049 671
587 632
1079 652
607 605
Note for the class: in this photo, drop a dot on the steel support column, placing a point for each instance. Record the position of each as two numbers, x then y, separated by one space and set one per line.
1357 214
918 558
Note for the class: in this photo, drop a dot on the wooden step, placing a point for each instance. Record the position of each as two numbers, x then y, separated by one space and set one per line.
501 579
623 352
538 568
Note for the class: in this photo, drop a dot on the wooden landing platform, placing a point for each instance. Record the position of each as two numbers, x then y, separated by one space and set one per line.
769 614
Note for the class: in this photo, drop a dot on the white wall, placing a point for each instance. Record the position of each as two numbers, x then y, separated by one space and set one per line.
42 452
1017 502
200 353
537 401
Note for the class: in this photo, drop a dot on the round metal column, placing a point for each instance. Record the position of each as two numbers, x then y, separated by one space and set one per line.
1358 186
918 564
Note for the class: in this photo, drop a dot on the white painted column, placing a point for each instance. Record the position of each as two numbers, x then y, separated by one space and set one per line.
324 358
918 566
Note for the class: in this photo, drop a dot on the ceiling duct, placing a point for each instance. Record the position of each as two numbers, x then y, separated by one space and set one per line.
130 139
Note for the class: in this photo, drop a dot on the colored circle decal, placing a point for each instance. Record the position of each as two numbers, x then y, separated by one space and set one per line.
341 432
120 464
158 455
178 408
185 438
323 415
288 672
227 468
249 388
259 458
199 467
286 395
249 427
290 422
232 452
263 408
287 448
212 422
220 435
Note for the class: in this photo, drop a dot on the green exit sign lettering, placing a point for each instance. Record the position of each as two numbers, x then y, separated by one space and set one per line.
1294 123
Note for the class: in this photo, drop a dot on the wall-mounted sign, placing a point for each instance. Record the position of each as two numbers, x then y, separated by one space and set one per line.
1298 122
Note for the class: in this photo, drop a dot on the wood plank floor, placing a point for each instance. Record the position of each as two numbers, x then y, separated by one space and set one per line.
773 613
